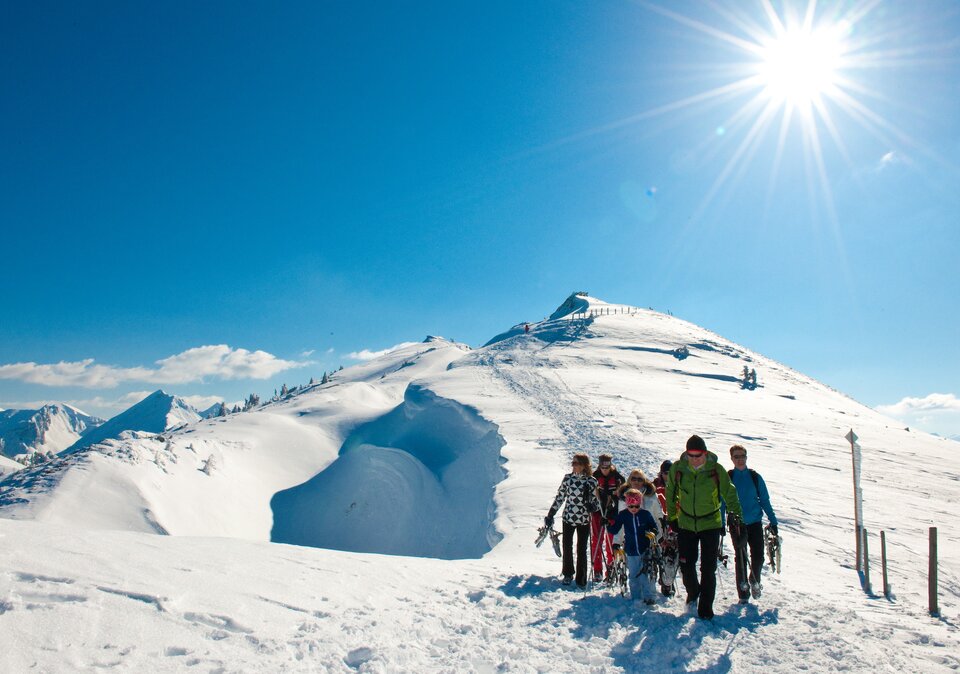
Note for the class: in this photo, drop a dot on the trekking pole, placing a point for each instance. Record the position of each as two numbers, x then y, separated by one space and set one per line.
721 557
589 582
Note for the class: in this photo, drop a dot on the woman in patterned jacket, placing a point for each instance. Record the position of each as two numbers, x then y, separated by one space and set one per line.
579 491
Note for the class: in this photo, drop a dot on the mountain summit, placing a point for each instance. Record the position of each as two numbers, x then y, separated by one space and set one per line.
156 413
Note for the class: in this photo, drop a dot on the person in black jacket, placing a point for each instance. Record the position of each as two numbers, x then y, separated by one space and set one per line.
579 491
609 480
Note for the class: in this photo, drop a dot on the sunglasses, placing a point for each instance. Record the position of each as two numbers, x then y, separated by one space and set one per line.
694 455
633 507
604 465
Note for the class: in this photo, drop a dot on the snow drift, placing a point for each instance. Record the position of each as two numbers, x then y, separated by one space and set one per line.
418 481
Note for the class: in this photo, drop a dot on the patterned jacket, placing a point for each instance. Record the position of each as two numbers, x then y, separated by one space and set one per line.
580 494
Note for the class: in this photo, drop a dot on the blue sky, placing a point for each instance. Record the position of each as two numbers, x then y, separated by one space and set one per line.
295 184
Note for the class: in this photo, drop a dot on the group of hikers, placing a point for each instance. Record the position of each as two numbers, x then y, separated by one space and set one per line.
682 509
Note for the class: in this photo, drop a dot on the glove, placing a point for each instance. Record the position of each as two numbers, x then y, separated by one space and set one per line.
611 521
734 523
774 530
616 546
548 521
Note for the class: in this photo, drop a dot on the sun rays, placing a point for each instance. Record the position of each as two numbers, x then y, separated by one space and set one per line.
799 85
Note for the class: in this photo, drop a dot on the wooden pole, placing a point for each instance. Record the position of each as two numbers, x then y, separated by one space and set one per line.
883 563
866 565
852 437
932 576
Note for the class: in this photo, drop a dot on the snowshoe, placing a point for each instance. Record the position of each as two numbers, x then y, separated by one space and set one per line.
652 563
555 539
773 548
542 534
670 563
618 572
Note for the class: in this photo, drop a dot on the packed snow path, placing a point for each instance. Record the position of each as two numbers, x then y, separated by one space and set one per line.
209 605
583 425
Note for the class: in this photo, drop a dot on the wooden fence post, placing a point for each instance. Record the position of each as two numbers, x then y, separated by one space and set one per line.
866 565
857 511
883 563
932 576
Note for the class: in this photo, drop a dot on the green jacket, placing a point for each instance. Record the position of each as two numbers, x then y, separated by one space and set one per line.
693 497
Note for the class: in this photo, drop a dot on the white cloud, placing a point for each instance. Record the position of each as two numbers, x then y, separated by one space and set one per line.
366 354
97 405
203 403
891 158
935 413
83 373
307 354
192 365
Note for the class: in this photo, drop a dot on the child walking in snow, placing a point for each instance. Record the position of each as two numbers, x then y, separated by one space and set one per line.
639 530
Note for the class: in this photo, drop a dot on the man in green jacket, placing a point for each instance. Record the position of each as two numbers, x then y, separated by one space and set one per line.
696 484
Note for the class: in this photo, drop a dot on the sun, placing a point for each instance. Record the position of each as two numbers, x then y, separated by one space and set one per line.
800 65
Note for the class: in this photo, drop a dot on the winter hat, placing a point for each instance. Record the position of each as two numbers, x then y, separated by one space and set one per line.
634 498
696 444
665 466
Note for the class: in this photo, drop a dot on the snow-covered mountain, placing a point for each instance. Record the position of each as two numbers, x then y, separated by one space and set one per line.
8 466
47 430
450 457
212 411
156 413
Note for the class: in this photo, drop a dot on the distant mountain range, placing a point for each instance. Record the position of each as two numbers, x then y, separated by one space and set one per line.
47 430
26 435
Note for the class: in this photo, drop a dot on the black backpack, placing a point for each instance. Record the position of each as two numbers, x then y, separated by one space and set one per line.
754 475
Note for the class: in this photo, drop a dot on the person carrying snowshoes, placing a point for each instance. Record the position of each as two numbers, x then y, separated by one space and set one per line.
579 490
609 481
639 532
754 502
695 486
660 483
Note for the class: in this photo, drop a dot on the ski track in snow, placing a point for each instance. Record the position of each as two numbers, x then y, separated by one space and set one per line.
582 425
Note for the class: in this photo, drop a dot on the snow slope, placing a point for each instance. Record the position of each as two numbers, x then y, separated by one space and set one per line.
393 453
48 430
8 466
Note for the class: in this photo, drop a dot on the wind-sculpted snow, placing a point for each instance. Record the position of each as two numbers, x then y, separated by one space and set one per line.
418 481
